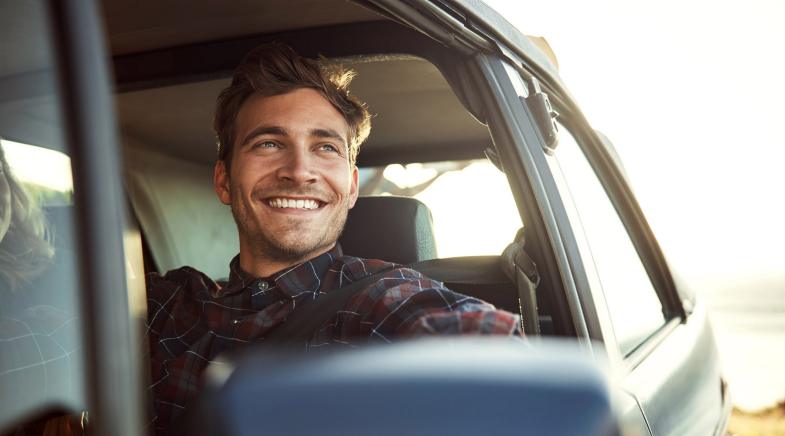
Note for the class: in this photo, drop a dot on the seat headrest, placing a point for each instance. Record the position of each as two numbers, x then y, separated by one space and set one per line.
395 229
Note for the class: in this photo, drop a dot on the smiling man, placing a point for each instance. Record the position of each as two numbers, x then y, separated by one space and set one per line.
289 133
290 181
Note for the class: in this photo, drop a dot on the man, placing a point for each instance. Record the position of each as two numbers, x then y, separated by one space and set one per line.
289 133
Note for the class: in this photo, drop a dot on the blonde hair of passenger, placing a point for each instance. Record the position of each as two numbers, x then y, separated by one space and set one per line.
26 249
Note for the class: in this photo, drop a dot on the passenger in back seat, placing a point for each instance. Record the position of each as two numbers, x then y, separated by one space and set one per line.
288 136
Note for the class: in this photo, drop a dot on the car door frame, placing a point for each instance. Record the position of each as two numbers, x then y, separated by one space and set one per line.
521 148
654 371
682 351
112 354
649 389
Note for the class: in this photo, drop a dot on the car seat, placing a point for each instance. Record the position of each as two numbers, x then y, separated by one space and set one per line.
400 229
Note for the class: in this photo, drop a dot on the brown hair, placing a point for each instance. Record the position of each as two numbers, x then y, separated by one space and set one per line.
276 69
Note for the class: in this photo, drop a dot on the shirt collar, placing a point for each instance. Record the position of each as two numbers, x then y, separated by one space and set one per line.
292 281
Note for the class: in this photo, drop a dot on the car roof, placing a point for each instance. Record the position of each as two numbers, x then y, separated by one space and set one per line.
173 113
170 62
141 26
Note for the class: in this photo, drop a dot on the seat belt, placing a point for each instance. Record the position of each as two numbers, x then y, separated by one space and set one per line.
304 321
522 270
310 315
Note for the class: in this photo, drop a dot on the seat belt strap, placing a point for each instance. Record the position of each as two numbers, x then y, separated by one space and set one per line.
521 270
527 280
303 322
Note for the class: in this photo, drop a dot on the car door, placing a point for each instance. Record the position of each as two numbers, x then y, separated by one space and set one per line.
668 357
66 341
663 341
615 282
660 342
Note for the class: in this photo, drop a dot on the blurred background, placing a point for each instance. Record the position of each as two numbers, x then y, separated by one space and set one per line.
691 93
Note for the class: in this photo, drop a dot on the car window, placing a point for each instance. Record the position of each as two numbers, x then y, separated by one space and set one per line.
473 210
610 258
41 338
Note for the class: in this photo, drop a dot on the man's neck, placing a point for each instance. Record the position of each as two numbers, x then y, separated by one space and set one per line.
259 265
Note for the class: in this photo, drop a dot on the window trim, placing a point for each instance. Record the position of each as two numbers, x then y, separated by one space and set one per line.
637 355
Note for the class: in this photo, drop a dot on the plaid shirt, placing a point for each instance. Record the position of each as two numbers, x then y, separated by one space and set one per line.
191 318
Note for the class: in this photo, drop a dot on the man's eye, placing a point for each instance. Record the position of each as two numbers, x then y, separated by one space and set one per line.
266 144
329 147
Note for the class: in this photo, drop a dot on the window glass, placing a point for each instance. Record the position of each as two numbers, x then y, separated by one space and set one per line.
473 210
41 338
610 257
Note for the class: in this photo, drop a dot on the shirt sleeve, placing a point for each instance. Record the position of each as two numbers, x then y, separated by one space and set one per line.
405 303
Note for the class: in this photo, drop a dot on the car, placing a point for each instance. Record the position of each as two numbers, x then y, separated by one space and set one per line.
105 121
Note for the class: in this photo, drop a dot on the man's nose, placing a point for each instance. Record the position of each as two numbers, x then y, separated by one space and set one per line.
297 166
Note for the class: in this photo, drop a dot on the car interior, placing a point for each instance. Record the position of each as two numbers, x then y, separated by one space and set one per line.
166 95
170 64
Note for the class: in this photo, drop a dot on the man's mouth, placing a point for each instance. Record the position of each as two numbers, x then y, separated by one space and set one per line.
293 203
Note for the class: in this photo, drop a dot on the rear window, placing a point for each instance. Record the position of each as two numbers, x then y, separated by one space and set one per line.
473 209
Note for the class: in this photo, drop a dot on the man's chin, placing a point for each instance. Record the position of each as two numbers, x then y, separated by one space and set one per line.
296 251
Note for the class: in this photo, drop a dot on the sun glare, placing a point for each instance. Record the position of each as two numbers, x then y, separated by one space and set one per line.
39 166
473 210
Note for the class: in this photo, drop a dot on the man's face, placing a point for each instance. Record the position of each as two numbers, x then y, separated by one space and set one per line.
290 185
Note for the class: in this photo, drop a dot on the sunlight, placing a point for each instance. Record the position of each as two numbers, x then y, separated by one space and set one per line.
473 210
693 115
408 176
691 93
39 166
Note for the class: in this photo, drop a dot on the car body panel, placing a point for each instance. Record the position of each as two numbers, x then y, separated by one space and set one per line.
686 355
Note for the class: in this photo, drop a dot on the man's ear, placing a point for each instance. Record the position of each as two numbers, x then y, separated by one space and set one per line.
354 190
221 182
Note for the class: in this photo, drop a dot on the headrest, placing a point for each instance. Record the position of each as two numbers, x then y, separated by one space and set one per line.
395 229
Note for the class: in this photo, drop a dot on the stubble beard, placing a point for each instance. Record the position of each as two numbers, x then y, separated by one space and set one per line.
295 245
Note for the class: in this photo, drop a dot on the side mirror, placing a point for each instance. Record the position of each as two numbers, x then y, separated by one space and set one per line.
463 386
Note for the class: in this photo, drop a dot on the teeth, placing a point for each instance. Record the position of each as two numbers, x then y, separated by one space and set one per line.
290 203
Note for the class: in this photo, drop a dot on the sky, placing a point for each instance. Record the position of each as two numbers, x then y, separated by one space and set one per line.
691 94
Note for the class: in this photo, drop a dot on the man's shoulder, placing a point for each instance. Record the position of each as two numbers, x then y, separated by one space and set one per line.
185 277
394 282
406 302
357 268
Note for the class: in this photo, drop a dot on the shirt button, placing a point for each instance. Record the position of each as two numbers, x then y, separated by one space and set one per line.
262 285
235 321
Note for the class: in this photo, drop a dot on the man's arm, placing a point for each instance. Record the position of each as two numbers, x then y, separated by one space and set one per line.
405 303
